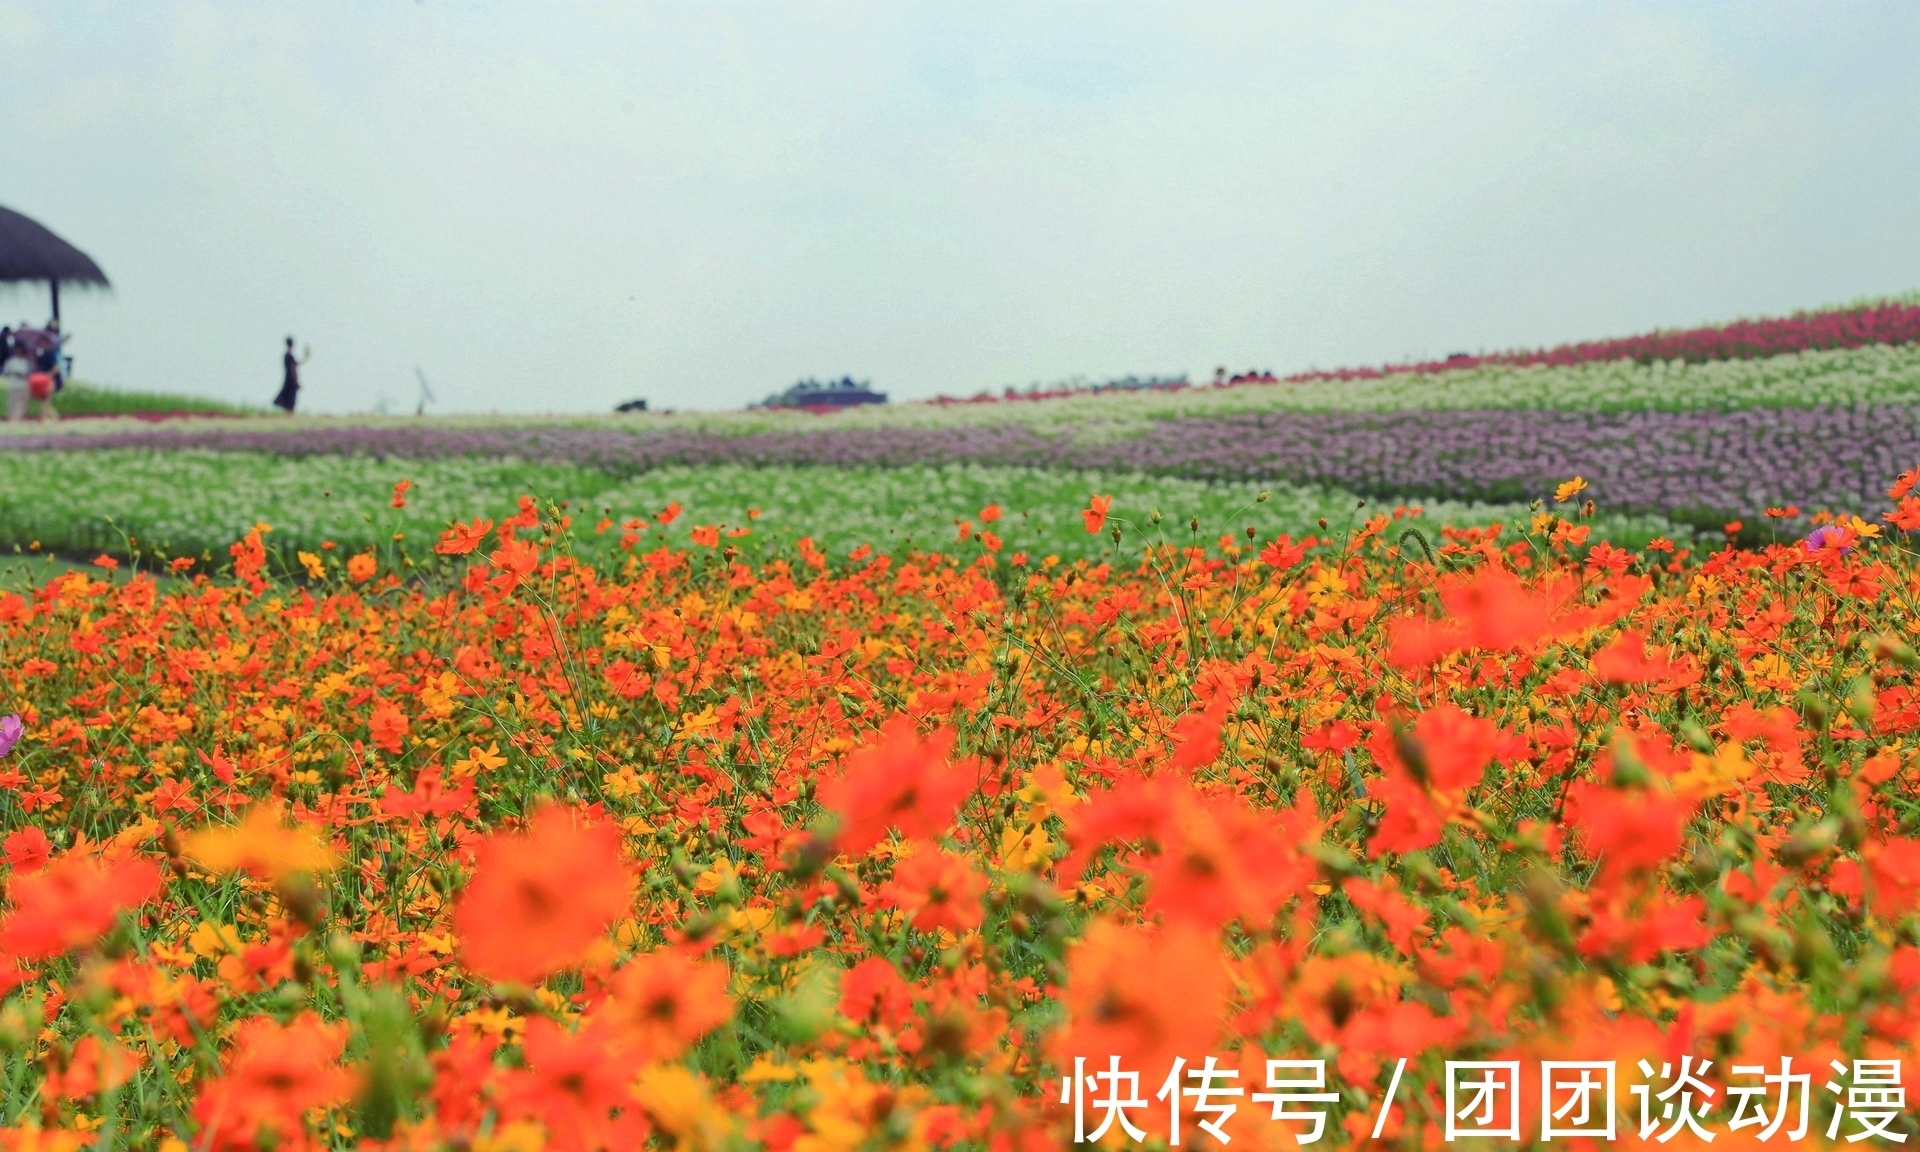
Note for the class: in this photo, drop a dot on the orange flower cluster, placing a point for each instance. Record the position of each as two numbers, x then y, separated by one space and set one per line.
849 853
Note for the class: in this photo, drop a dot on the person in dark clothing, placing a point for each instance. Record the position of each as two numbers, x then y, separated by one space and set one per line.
290 383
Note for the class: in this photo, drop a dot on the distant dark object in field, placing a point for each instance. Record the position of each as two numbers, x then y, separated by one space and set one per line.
1456 357
426 392
632 406
1076 386
1250 376
811 395
29 252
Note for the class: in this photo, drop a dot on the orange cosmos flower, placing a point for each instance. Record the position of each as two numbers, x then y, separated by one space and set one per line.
1893 871
938 889
668 514
1196 736
361 568
1427 770
900 782
1094 515
1143 996
516 560
461 539
706 535
92 1068
1492 609
388 726
990 513
573 1084
1223 860
249 557
275 1075
540 901
662 1002
261 845
72 903
400 493
1630 829
1904 484
27 850
872 993
1625 661
1283 553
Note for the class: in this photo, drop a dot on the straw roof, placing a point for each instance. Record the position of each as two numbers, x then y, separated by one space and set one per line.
30 252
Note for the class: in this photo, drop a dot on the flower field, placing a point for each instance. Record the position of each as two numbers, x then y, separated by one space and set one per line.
838 850
1250 766
143 506
1811 411
1893 321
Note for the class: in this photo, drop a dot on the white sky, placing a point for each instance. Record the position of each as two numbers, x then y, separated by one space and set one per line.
556 207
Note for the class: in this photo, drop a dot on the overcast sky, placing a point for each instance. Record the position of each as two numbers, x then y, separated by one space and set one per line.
555 207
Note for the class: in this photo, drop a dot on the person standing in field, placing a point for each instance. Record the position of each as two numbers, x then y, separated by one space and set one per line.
14 366
49 377
33 370
290 382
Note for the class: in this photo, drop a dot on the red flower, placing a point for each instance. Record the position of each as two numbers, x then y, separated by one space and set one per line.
400 493
1143 996
1625 661
429 797
1336 737
28 849
627 679
937 889
872 993
1492 610
1426 773
573 1084
516 559
73 903
1094 515
1893 870
388 726
94 1067
1196 735
662 1002
1630 830
1904 484
1638 936
1222 860
275 1075
1283 553
539 902
901 782
461 539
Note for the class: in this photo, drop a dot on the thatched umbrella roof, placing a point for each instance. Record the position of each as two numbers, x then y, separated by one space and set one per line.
30 252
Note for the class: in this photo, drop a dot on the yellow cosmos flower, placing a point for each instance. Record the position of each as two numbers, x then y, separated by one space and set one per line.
261 845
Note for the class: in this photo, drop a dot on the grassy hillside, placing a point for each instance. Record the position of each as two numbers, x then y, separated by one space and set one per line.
80 398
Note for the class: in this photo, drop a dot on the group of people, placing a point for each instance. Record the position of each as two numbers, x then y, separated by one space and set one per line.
33 367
